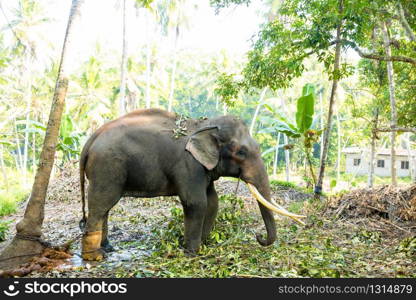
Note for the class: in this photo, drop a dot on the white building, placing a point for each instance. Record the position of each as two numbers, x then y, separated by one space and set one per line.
358 162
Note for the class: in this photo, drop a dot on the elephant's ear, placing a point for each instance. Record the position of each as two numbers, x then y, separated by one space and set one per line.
203 145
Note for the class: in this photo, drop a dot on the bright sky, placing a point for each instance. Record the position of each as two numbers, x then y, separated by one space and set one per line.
102 21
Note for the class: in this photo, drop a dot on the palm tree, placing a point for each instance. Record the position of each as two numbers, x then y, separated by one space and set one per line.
122 100
27 241
175 15
29 15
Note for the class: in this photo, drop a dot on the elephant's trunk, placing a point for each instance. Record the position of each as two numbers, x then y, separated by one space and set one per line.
260 188
267 214
260 181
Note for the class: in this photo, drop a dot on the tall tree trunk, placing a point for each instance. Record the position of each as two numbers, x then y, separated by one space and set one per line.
19 159
27 241
174 64
148 71
33 152
409 155
28 96
321 106
253 121
3 169
405 24
287 158
393 121
327 133
122 100
276 155
338 145
373 150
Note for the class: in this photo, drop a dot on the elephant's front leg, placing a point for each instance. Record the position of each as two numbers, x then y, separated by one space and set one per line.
212 209
195 207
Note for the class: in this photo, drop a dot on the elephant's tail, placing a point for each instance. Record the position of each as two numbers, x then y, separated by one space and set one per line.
82 164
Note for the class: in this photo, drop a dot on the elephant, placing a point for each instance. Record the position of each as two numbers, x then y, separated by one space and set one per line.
151 153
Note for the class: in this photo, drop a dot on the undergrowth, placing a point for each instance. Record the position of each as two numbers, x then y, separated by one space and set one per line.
9 201
280 184
323 248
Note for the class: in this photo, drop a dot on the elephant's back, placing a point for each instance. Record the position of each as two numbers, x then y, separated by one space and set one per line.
150 120
140 145
133 132
145 119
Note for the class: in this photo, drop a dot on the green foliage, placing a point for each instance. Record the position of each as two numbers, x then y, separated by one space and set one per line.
283 184
12 194
367 237
305 109
7 205
9 200
408 246
325 248
219 4
69 139
228 222
304 121
4 228
304 118
227 88
144 3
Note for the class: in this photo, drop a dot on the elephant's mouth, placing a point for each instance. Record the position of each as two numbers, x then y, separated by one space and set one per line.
274 206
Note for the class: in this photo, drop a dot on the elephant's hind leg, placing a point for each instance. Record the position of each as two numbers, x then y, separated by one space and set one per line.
101 199
105 243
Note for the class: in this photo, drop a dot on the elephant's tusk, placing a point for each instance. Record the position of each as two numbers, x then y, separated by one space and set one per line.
274 207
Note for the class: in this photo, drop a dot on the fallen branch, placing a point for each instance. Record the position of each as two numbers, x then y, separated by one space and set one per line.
397 226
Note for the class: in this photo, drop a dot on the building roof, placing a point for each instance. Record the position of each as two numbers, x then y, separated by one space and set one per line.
385 151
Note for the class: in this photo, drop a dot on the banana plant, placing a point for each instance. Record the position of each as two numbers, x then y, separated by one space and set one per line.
69 139
302 127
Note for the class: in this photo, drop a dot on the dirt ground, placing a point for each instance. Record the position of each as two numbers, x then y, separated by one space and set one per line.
133 222
132 219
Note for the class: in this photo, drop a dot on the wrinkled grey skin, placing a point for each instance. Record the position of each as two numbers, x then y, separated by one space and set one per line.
144 154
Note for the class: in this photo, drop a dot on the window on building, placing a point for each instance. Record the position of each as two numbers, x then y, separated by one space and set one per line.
405 164
380 163
357 161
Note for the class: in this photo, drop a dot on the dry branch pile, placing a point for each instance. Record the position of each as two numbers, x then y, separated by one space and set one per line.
387 202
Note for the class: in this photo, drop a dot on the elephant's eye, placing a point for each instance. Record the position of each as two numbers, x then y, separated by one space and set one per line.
242 153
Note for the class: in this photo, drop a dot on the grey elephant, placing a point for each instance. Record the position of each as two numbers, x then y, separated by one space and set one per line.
151 153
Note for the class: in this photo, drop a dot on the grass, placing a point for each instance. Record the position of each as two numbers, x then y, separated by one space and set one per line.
323 248
10 199
361 180
281 184
8 205
4 228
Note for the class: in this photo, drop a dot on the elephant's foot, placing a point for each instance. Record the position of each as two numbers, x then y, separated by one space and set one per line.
190 253
106 246
91 246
